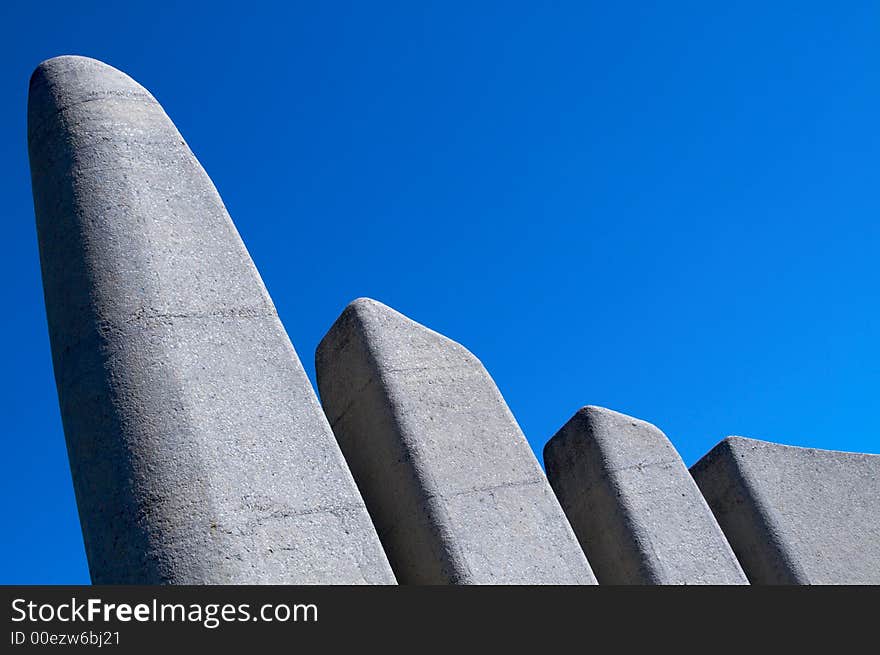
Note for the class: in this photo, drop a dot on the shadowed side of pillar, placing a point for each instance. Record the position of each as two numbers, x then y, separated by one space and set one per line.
633 505
796 515
451 483
198 449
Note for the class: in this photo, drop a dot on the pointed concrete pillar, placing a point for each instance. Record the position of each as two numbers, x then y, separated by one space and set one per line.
451 483
198 449
633 505
796 515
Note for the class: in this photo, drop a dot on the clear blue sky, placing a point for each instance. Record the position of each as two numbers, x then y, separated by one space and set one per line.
665 208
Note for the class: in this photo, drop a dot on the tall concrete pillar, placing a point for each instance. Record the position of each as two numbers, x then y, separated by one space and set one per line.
198 449
796 515
451 483
633 505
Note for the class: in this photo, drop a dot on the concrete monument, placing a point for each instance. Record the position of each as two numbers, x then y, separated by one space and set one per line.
198 449
453 487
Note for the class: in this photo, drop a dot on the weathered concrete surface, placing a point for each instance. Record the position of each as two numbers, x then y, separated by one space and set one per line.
796 515
633 505
198 449
451 483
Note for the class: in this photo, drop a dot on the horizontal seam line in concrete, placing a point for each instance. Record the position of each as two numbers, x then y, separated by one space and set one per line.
105 95
136 319
419 369
66 108
643 466
80 169
142 321
307 512
230 313
354 507
486 488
